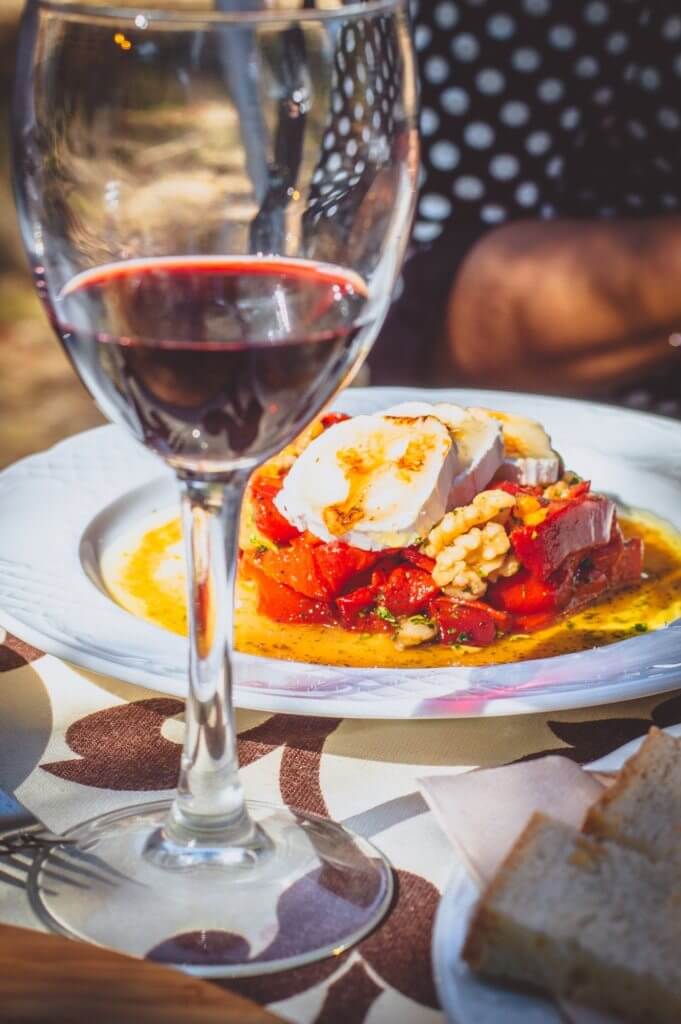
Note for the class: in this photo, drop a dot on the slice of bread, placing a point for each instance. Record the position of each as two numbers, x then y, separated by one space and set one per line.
642 808
593 922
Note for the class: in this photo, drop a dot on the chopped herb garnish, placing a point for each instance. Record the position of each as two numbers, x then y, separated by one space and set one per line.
464 638
385 614
420 620
641 627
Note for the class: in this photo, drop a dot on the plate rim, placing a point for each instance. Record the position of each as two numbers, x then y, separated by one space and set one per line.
511 702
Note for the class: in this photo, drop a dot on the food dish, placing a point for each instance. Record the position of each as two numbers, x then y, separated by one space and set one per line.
465 997
434 523
103 491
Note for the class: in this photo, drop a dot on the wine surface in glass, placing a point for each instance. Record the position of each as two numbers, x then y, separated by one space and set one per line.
212 360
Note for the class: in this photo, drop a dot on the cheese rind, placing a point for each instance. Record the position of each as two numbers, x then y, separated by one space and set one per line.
528 456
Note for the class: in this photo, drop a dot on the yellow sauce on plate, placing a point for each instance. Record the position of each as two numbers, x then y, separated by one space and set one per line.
148 580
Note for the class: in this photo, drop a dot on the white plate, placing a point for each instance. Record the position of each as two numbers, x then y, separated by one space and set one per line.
465 998
59 510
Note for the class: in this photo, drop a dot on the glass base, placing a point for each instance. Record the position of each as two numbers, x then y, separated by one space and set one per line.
308 889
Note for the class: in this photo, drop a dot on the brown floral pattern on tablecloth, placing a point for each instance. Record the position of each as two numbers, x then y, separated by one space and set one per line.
122 748
15 653
589 741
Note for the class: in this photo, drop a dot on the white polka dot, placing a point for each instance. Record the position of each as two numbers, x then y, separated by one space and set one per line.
603 95
317 176
359 111
503 166
562 37
650 79
527 194
422 37
369 50
354 180
366 133
525 59
468 187
465 46
370 96
669 201
454 101
435 207
570 118
550 90
329 140
379 81
446 15
490 81
429 121
536 7
426 231
350 39
635 200
361 73
637 129
672 27
478 135
555 166
351 148
360 166
337 103
342 63
344 126
444 156
500 26
514 113
616 43
422 176
348 86
331 211
436 70
669 118
586 67
596 12
538 143
547 210
492 214
325 190
376 119
334 162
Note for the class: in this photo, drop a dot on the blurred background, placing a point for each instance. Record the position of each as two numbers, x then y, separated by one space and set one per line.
577 293
41 401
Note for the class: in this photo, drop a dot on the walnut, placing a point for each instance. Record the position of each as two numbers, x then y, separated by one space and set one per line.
412 632
487 506
464 568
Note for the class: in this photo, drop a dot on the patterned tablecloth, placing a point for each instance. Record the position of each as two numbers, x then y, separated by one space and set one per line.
73 744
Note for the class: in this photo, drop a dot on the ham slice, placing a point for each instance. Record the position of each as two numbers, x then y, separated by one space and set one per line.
569 528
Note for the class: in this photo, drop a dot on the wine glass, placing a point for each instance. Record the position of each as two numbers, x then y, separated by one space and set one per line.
215 200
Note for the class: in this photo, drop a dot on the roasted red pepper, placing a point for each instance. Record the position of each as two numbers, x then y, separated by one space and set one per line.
408 590
571 526
281 603
466 622
268 519
339 565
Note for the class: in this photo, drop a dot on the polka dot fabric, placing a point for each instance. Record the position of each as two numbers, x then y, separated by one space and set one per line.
547 107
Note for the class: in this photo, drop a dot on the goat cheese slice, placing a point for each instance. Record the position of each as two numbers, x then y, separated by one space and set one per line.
478 441
375 482
528 455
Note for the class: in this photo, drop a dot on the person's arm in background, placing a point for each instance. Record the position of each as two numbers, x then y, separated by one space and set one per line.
567 305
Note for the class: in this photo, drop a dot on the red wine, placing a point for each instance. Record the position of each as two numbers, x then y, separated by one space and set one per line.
212 360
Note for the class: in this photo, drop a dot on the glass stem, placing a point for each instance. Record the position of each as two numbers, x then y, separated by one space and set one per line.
209 807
